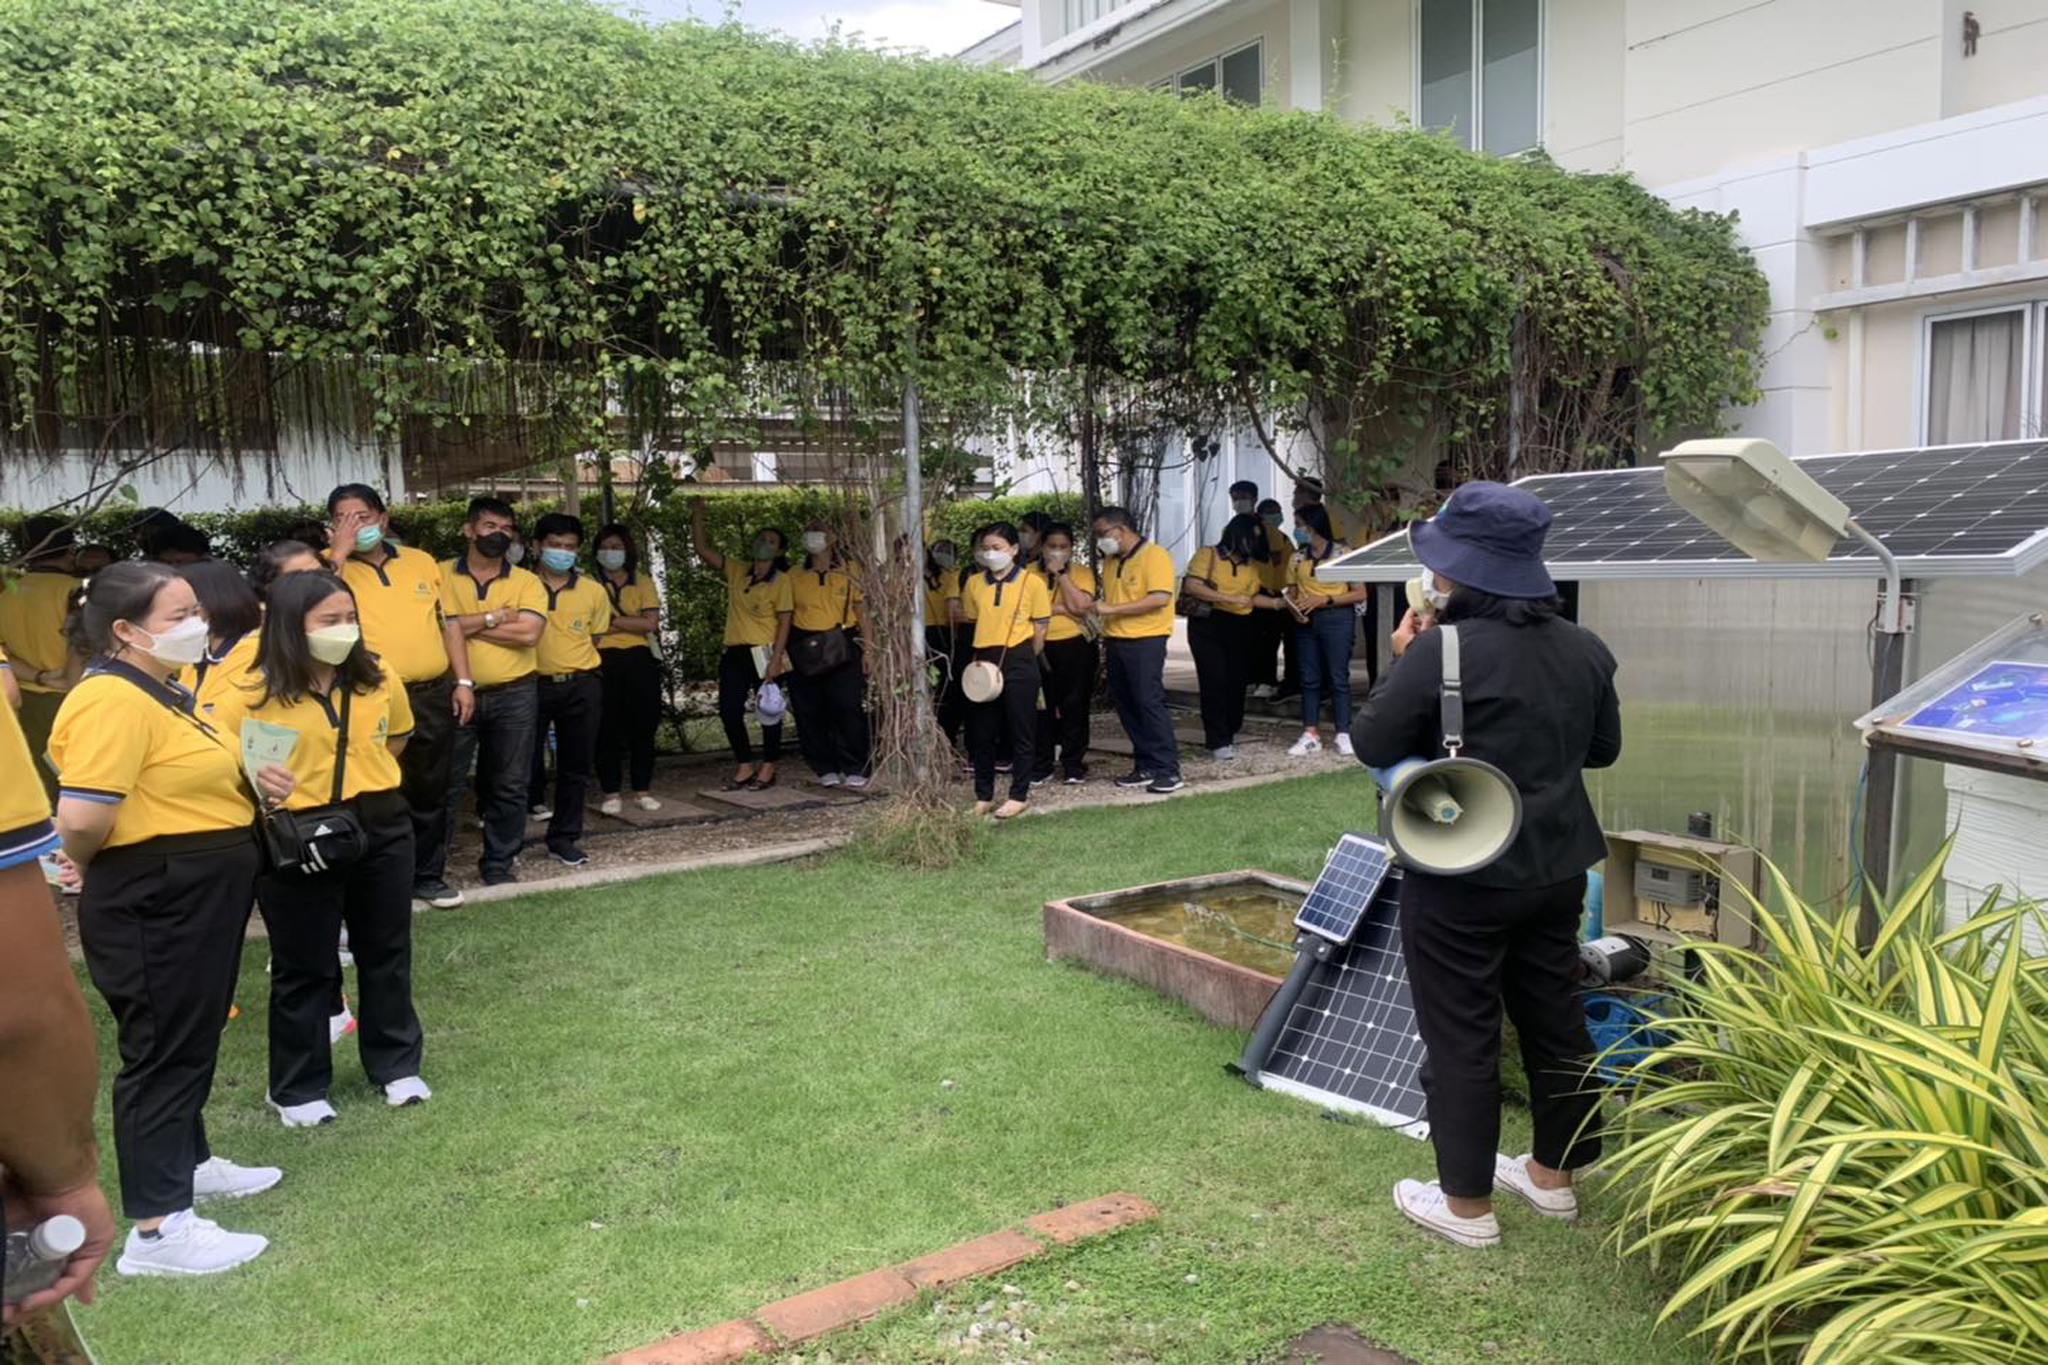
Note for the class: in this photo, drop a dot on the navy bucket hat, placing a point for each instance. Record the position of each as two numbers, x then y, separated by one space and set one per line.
1489 536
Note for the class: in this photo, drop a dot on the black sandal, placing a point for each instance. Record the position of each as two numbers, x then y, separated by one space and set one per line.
757 785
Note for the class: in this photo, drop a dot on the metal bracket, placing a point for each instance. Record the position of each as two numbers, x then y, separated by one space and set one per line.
1897 610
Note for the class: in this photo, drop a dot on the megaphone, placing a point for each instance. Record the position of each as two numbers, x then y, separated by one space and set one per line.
1449 816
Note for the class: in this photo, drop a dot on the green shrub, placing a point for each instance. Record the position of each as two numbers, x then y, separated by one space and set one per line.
1844 1155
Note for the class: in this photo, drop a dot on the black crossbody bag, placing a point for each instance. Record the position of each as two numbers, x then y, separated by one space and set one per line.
814 653
325 839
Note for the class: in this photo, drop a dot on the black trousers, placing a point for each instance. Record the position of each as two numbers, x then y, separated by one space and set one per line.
499 739
1469 948
948 648
161 923
38 714
1006 727
305 915
1137 688
1223 645
427 770
628 719
737 679
831 726
1069 670
1272 634
571 707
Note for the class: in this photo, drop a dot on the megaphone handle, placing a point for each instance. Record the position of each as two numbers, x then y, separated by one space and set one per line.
1453 697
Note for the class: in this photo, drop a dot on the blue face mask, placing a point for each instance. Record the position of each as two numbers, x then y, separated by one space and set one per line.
1302 537
557 560
369 537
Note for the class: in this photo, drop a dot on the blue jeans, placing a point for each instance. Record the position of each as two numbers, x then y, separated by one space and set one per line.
1324 648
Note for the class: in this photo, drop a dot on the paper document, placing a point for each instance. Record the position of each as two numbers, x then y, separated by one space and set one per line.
264 743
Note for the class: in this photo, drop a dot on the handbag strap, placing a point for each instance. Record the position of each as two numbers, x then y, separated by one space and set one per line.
341 742
1453 703
162 694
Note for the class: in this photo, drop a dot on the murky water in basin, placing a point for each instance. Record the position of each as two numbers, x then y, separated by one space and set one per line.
1248 923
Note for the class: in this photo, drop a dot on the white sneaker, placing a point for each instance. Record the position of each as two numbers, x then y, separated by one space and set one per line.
1424 1205
340 1026
1226 754
1264 692
540 812
1511 1173
219 1178
407 1090
856 781
611 805
311 1114
1308 744
647 803
1344 745
830 780
187 1244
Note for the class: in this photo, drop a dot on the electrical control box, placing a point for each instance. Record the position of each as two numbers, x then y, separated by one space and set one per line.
1680 888
1671 889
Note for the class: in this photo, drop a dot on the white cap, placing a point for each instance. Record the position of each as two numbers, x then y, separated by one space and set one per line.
56 1238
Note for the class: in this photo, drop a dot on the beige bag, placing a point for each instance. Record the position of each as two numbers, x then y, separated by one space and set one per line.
981 680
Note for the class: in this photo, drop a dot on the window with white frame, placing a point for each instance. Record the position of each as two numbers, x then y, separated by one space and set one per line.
1981 381
1479 71
1078 14
1240 76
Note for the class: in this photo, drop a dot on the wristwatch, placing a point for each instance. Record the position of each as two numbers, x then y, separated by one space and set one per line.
490 620
466 682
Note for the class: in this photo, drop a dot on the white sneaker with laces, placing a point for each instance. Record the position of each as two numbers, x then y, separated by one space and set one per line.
1425 1206
219 1178
611 805
1511 1173
340 1026
647 803
311 1114
1344 745
830 779
1309 743
407 1090
187 1244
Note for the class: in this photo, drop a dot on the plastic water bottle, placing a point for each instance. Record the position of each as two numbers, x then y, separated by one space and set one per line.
36 1257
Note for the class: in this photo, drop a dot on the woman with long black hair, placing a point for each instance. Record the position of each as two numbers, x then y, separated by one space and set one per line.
631 673
759 602
1540 705
315 678
154 811
233 611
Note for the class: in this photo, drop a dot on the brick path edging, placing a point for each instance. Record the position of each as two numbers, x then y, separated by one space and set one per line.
804 1317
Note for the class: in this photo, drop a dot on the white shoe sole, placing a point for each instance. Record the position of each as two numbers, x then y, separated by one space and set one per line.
1510 1175
289 1122
212 1195
1446 1231
128 1267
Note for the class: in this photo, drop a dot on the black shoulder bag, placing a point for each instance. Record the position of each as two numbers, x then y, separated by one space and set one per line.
814 653
326 838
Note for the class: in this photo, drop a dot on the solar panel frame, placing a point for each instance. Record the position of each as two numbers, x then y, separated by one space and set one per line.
1344 889
1613 524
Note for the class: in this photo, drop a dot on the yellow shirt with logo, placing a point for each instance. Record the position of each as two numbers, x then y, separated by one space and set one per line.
116 743
1065 627
634 597
1224 576
1304 570
217 677
824 600
1126 578
1008 609
578 613
32 612
398 602
939 590
513 590
375 718
752 605
25 829
1274 574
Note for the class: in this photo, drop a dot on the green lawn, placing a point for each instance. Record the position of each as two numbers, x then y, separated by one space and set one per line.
659 1105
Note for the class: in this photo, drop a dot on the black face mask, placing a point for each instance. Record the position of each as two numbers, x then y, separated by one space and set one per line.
494 545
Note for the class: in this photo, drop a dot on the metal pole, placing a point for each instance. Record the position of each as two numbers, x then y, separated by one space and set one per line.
913 523
1881 774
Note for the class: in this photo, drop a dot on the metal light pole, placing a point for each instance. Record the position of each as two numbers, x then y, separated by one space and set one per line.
913 522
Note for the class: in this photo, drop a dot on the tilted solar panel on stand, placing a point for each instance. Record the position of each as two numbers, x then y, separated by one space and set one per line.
1350 877
1350 1041
1944 511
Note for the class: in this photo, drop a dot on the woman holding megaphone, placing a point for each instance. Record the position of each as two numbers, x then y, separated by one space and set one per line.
1539 706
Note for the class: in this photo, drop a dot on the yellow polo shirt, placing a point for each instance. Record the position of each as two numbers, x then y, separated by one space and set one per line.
32 612
634 597
960 577
1007 609
1303 573
751 606
938 591
215 678
1273 574
513 590
1224 576
375 718
824 600
578 613
1126 578
398 602
25 829
170 774
1065 627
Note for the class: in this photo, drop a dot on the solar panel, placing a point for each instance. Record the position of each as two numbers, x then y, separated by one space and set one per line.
1945 511
1349 1042
1350 877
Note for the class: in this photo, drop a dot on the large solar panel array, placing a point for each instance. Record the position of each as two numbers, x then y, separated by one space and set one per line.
1350 877
1946 512
1350 1041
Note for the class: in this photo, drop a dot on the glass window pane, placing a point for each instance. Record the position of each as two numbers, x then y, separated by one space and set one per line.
1201 78
1446 40
1508 94
1973 378
1242 75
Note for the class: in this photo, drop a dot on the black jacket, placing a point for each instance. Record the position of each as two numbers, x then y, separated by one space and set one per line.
1539 705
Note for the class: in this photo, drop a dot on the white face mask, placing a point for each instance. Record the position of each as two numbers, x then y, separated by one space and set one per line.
1057 559
1244 505
613 560
332 644
1107 544
1028 539
814 542
1432 593
996 561
515 553
183 643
